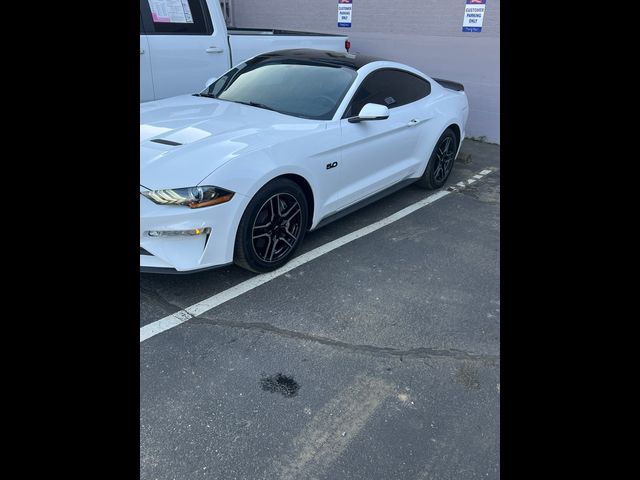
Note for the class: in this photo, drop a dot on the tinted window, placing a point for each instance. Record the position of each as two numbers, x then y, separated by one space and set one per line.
175 17
293 87
392 88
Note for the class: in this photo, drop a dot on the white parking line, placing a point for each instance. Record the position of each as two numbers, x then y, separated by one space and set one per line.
317 447
199 308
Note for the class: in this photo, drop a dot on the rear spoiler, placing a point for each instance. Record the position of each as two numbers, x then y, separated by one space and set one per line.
450 85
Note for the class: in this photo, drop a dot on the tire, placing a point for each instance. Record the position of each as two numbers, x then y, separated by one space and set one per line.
268 235
441 161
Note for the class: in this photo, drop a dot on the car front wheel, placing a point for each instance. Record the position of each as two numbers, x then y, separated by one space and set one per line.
272 227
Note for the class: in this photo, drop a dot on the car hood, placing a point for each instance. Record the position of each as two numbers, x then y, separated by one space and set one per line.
184 139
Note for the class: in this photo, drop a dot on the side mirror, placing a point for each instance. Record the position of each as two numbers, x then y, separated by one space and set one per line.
371 111
210 81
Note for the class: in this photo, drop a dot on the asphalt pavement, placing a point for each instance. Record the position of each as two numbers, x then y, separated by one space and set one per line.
377 360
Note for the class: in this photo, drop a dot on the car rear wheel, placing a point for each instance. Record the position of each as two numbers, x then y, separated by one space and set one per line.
272 227
441 161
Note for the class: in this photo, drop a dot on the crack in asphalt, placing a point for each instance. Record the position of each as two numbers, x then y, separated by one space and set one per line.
168 305
422 352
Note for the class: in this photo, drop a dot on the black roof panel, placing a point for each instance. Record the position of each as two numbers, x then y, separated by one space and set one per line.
341 59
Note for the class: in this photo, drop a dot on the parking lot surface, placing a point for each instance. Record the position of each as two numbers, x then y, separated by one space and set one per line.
379 359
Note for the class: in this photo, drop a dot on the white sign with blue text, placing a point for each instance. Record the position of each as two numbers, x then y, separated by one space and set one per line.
345 7
473 15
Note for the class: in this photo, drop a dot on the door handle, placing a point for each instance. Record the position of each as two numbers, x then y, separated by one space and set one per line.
413 123
214 50
141 51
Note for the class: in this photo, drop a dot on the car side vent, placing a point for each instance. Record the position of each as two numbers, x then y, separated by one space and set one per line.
166 142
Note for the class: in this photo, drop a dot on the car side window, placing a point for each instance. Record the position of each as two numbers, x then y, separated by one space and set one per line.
390 87
175 17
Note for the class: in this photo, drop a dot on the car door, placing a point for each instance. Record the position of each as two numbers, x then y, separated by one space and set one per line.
185 48
146 82
377 154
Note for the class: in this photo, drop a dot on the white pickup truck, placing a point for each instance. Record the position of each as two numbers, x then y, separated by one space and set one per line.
183 43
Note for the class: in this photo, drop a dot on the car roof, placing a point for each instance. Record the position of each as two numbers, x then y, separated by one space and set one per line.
339 59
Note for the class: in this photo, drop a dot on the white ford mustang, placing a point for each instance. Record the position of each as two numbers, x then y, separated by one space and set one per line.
281 144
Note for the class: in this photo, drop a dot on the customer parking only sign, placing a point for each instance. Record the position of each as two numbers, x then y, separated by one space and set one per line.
473 15
344 13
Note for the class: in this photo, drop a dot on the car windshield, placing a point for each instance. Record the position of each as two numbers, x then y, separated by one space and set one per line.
303 89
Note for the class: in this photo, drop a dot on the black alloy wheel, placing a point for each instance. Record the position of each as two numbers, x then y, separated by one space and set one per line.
277 227
441 161
272 227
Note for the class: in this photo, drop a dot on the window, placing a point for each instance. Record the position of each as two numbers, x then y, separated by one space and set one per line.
225 6
293 87
389 87
175 17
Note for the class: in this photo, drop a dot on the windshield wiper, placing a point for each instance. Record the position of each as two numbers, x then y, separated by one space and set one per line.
259 105
208 95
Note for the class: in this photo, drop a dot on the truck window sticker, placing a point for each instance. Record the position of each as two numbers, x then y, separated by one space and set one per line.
170 11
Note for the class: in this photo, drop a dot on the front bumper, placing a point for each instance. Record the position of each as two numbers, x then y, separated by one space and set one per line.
188 253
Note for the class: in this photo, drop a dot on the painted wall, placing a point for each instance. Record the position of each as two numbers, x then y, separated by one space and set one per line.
426 34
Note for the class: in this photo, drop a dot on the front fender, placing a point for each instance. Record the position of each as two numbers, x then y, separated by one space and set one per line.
249 174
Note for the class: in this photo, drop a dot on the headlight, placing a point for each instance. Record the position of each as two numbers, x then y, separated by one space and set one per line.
192 197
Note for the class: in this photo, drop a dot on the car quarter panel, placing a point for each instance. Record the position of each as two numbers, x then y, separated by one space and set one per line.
440 110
